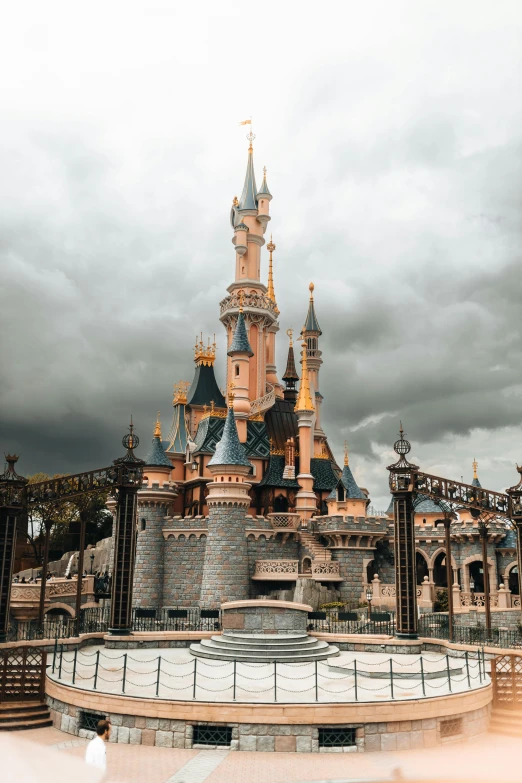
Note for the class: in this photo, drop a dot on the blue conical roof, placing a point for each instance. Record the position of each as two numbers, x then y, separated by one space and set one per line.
248 197
311 323
476 483
240 342
156 456
263 191
229 451
350 485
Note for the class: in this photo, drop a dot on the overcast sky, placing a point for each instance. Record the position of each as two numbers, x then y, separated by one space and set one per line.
392 136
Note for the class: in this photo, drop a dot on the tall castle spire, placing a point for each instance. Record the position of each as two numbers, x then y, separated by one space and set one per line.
290 377
304 398
249 217
271 292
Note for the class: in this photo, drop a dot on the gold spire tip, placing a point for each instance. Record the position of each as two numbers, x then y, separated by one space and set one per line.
346 452
157 427
311 289
231 388
290 333
475 466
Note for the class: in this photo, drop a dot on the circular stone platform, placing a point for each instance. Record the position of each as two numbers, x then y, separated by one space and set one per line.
263 648
265 617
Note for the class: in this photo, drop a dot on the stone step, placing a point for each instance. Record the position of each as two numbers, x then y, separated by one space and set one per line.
201 651
267 638
263 651
20 725
306 641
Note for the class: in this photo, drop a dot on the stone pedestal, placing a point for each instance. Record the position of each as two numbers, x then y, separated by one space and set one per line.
265 617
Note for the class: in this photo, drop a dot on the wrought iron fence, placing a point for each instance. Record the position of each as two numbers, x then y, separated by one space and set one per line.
378 623
96 619
436 626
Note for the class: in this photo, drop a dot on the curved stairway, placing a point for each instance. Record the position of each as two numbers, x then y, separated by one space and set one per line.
264 648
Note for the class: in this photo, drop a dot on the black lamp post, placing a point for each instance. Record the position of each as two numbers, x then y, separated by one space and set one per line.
92 561
369 596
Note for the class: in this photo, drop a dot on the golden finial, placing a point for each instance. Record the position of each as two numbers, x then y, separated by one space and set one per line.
231 387
250 137
157 427
304 398
290 334
235 202
475 466
271 292
211 407
204 354
180 393
264 173
311 289
346 452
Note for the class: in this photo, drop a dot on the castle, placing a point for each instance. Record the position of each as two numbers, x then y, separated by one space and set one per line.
245 497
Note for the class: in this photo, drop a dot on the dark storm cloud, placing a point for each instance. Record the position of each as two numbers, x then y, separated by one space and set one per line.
394 156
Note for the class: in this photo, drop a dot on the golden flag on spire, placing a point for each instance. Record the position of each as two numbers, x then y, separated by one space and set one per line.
246 122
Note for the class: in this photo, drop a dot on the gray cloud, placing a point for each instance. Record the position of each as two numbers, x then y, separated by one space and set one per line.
394 157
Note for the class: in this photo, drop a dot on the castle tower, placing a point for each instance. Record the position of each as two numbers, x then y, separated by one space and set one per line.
304 408
225 568
240 352
249 217
203 389
311 333
347 497
271 370
290 377
153 504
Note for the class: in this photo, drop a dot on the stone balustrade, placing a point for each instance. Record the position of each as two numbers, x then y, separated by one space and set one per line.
25 596
288 570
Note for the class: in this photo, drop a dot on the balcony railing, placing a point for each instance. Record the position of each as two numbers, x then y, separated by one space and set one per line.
288 570
282 522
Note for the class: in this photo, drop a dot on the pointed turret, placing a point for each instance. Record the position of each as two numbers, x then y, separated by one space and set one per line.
475 482
204 388
290 377
240 342
263 190
156 456
248 198
352 490
229 450
177 440
311 324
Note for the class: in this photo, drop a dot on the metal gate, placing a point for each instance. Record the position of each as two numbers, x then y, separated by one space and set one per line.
506 677
22 674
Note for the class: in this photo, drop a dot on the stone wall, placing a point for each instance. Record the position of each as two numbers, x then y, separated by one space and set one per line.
183 569
351 570
369 737
225 568
148 573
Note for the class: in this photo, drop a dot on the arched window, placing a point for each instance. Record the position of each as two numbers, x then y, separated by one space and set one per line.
237 370
341 495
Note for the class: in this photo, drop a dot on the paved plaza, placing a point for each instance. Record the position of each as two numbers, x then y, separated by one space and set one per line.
489 757
169 674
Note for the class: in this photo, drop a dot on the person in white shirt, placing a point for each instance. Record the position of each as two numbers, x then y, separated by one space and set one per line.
96 753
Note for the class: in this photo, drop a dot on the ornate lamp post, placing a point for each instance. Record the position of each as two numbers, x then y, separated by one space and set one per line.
13 502
515 514
369 596
92 562
48 523
483 530
131 470
402 478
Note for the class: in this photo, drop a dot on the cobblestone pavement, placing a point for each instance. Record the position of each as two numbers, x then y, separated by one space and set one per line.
486 758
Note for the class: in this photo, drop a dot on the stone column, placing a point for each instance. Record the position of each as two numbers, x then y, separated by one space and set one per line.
149 573
225 569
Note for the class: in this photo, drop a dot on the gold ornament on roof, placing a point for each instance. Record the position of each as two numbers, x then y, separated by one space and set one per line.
271 292
231 387
304 398
346 452
180 393
475 466
157 427
204 354
290 334
311 289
